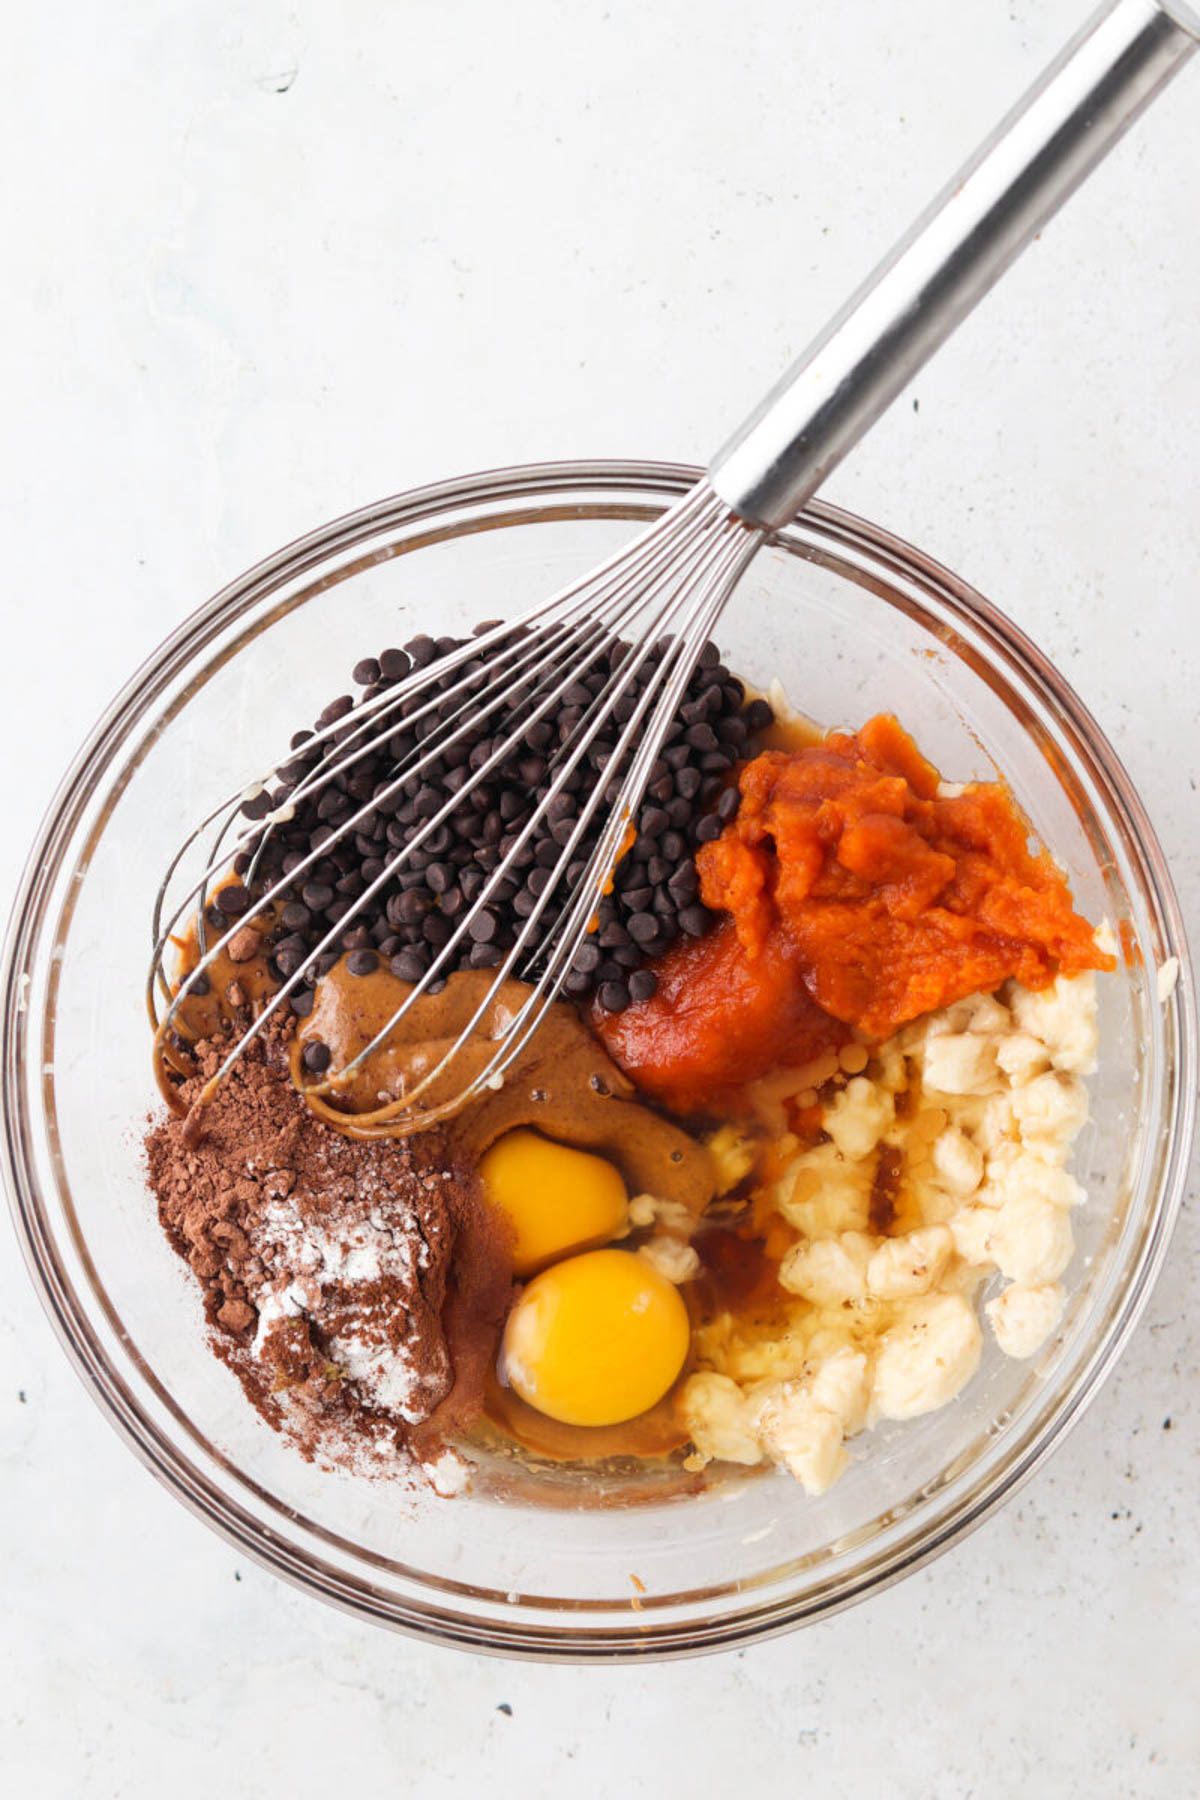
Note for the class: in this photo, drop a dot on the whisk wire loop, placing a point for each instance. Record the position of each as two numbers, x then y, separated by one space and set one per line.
718 564
512 642
673 578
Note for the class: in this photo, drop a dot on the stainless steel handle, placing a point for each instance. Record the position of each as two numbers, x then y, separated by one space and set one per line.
956 250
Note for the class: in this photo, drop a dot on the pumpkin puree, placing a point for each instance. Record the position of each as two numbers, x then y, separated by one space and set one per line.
853 883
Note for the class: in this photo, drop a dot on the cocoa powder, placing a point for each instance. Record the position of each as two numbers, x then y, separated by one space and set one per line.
355 1286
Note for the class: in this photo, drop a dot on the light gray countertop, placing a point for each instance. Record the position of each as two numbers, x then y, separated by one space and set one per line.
264 263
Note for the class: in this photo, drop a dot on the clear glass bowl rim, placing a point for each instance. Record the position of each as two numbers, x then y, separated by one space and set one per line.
556 481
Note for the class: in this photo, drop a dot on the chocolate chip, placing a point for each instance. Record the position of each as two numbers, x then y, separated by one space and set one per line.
643 985
700 737
337 709
362 962
233 899
316 1057
614 996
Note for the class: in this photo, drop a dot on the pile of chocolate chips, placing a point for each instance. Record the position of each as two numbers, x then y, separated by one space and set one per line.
655 891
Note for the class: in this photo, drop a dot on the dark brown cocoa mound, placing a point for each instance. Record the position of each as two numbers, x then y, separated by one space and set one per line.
357 1287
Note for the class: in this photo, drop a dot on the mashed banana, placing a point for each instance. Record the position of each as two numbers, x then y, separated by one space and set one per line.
973 1111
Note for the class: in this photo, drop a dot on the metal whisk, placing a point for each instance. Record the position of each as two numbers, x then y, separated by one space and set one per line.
669 586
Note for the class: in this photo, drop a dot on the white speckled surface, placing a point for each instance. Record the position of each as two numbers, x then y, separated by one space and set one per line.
265 263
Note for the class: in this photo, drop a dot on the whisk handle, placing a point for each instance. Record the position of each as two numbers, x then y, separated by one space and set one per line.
947 262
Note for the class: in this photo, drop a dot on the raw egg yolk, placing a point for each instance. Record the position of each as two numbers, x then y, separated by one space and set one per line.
596 1339
555 1199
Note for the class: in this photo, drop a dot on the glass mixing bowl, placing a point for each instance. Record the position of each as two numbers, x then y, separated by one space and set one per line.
852 622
